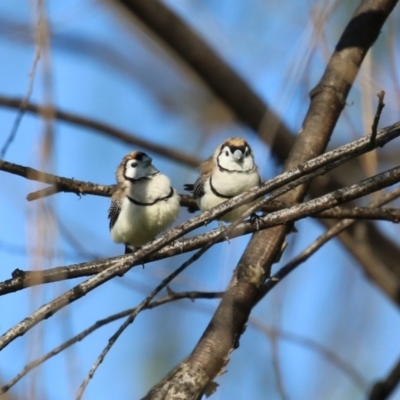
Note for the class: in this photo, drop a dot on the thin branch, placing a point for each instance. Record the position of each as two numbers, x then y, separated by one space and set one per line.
106 130
330 355
62 184
172 296
374 128
390 284
365 213
23 104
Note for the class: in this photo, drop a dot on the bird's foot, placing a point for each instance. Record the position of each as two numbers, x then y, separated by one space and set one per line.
222 227
255 219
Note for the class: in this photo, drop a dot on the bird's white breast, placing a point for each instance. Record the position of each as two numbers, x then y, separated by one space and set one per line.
229 184
139 224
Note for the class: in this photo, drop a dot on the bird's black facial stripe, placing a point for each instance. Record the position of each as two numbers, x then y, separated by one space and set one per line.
243 149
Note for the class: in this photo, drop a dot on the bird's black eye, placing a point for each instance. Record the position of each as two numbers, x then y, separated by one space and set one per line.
134 164
226 153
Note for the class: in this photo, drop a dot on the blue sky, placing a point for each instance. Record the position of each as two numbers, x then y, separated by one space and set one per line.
108 70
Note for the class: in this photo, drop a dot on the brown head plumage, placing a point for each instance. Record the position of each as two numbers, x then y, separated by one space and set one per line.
207 166
233 144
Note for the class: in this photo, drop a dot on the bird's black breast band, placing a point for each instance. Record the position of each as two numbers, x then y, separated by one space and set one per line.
216 192
138 203
239 171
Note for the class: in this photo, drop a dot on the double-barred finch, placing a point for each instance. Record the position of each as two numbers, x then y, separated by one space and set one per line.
143 204
228 172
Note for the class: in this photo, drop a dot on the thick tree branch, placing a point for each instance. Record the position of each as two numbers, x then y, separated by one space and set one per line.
193 377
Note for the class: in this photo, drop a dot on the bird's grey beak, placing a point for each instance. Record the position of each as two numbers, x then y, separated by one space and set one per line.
238 155
147 161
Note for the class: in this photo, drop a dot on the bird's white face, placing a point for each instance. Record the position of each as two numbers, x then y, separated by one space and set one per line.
233 158
139 167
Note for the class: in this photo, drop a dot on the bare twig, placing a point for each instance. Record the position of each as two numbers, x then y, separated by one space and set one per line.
374 128
63 184
330 355
23 103
365 213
